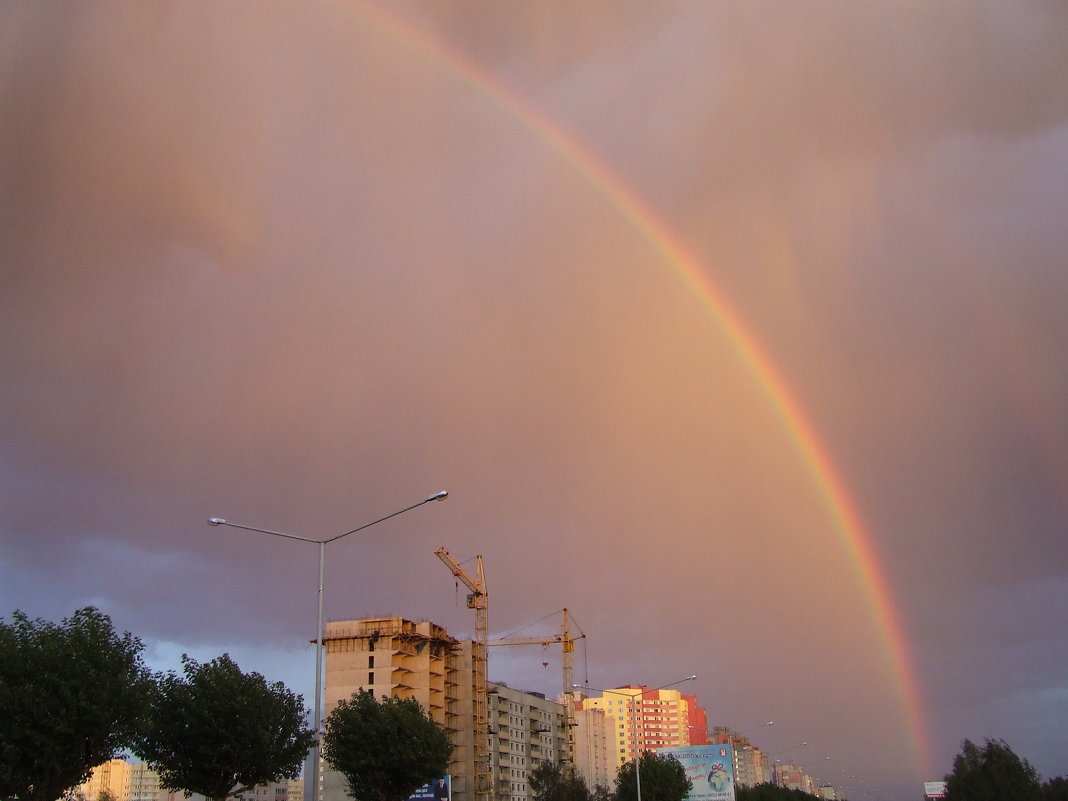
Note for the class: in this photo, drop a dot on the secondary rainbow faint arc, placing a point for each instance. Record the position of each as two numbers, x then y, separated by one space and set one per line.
849 524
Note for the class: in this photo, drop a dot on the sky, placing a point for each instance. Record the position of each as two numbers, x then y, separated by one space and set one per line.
737 329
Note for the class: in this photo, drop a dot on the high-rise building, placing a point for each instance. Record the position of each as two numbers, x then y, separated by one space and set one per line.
750 763
793 777
697 721
595 746
397 658
644 719
526 730
108 780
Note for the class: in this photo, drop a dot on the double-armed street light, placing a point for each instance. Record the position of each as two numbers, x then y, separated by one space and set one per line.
634 698
311 793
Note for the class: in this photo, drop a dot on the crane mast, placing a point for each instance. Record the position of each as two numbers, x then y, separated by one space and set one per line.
477 599
567 643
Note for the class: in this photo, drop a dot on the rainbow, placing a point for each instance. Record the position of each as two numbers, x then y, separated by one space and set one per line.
849 524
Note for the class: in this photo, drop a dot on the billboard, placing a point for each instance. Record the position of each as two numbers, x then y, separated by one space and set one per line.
934 789
710 768
438 790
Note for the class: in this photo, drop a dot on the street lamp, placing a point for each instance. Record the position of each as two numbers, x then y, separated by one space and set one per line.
634 715
312 794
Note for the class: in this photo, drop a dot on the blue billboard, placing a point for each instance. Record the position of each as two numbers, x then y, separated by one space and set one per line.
710 768
438 790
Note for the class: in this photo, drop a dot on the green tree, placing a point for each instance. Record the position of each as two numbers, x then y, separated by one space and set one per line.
662 776
550 781
72 697
992 772
385 749
1055 789
218 731
771 792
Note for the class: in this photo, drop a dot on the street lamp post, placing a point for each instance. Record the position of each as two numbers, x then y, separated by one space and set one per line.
634 717
312 793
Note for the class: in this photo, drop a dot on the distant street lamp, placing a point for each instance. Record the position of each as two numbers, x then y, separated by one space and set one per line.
634 715
312 793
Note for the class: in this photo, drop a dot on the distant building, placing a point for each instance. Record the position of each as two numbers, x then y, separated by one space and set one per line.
130 780
750 763
108 780
595 746
644 719
793 777
697 721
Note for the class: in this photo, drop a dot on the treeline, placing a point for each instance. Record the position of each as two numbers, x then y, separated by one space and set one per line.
662 779
993 771
76 694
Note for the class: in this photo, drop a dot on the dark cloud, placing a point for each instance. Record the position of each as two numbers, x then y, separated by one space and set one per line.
298 270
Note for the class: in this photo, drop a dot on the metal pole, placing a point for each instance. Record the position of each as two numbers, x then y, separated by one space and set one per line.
313 793
637 754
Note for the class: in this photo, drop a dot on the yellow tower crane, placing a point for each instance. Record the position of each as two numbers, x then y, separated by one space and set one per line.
477 599
567 643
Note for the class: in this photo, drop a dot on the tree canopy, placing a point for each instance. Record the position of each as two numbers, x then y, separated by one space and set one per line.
218 731
771 792
385 749
992 772
550 781
662 777
72 696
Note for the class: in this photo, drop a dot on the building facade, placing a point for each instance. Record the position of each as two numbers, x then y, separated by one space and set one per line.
397 658
644 719
526 730
750 763
129 780
595 747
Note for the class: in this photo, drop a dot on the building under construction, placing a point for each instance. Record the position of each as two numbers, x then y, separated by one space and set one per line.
398 658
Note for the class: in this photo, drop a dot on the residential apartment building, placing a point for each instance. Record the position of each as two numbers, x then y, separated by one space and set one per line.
697 721
130 780
526 730
793 777
750 763
595 747
644 719
108 780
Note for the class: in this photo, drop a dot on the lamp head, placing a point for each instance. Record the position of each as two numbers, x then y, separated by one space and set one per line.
438 496
216 521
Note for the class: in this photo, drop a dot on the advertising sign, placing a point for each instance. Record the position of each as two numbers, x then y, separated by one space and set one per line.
710 768
934 789
437 790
